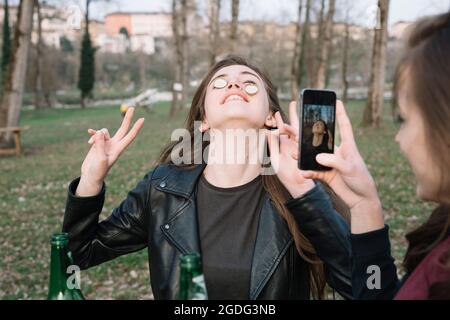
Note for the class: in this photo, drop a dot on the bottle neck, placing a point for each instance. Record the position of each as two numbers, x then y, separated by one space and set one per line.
59 261
186 282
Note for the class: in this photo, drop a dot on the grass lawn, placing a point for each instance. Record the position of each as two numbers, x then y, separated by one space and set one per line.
33 191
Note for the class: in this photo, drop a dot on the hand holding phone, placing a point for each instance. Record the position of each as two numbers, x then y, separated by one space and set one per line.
317 127
350 179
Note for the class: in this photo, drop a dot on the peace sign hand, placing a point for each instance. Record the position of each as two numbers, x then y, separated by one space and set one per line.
104 153
283 146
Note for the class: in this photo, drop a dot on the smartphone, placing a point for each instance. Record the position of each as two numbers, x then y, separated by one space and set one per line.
317 125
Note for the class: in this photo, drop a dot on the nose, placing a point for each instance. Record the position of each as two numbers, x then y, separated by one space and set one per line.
233 83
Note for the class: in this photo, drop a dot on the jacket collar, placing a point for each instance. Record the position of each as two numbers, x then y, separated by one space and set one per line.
180 180
272 239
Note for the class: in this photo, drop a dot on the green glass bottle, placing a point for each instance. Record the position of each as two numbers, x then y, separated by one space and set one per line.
60 287
192 281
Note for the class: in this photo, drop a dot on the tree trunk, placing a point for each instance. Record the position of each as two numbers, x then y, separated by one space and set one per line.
234 24
180 33
375 99
177 66
38 92
214 29
319 41
295 67
305 52
15 78
324 54
345 61
185 53
142 57
6 47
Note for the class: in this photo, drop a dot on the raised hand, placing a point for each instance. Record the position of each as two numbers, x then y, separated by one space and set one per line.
283 145
104 153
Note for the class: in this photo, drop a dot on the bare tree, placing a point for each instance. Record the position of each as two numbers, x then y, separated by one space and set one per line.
38 94
375 100
234 24
186 7
309 52
142 62
319 40
180 33
16 71
306 36
178 56
295 66
324 54
345 82
214 29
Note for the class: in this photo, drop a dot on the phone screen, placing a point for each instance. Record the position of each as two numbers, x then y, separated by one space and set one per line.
317 127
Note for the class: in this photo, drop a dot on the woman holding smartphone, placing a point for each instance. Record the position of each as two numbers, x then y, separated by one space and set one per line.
321 136
423 96
261 236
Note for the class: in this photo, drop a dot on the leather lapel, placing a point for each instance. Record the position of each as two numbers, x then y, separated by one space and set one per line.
181 227
272 241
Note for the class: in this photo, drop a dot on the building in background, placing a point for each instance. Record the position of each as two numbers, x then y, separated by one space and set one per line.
118 33
151 32
56 23
135 31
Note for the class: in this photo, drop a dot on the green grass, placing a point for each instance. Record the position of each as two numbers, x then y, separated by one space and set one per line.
33 192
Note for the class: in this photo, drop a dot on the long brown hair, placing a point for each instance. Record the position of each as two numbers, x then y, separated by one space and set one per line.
272 185
426 64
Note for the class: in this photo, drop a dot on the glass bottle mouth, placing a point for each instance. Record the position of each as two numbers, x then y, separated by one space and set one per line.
60 238
190 260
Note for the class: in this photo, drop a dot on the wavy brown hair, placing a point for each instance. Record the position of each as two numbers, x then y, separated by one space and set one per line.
426 66
272 185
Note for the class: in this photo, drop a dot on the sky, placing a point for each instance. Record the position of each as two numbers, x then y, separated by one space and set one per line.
284 11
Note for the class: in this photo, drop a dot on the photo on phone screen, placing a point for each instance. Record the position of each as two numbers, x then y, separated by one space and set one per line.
317 127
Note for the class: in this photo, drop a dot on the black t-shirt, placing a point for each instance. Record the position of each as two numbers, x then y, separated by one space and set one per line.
228 220
311 152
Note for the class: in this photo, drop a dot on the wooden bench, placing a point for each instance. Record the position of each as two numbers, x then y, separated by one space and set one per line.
17 149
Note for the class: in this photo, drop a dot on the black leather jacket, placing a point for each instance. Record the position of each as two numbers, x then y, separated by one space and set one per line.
160 214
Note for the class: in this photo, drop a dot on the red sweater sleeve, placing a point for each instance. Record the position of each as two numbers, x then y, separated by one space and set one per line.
434 268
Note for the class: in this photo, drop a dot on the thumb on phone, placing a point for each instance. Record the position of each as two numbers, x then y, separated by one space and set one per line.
333 161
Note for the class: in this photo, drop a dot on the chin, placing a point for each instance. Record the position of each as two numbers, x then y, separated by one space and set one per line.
426 193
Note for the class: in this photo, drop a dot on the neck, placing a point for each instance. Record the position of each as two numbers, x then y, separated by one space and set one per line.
228 175
317 139
233 159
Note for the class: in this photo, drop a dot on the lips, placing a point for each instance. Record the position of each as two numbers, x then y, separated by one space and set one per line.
234 95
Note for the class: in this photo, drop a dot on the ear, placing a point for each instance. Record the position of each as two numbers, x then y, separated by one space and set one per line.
270 120
204 126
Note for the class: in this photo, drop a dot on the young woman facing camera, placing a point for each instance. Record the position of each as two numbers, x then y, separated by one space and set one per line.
260 236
